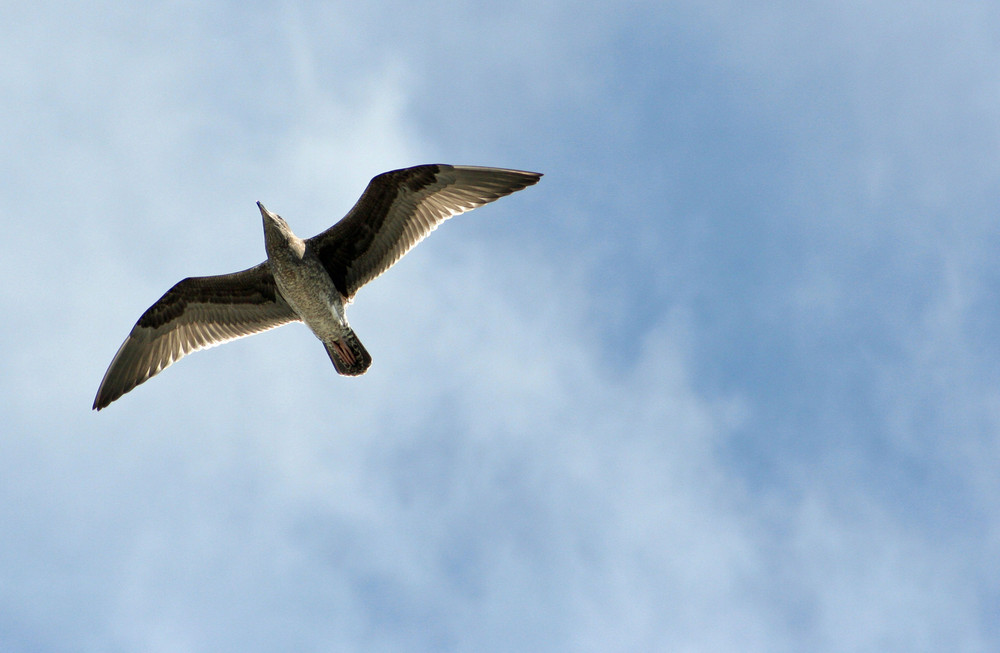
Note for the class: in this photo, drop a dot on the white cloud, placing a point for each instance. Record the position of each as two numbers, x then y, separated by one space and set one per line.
535 460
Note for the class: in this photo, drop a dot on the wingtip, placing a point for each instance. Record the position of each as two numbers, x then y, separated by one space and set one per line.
104 398
526 178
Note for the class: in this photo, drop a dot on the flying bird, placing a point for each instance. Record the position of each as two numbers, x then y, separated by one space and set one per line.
311 280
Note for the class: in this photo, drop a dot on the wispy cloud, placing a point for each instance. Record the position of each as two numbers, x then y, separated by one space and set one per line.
724 380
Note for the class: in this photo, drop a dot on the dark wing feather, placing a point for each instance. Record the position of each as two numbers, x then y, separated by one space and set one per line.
398 209
196 313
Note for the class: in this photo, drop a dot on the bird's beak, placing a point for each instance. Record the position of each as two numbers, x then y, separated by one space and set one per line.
264 212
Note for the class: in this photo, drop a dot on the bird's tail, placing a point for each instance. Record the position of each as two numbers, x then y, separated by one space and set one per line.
349 356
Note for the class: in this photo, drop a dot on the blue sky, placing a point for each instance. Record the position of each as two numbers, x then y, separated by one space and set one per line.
726 379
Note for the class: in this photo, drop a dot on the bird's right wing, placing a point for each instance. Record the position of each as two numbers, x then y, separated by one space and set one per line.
197 313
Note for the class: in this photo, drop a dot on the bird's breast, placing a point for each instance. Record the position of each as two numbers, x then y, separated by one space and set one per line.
309 290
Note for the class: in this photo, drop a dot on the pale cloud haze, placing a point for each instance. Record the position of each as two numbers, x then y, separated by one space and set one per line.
724 380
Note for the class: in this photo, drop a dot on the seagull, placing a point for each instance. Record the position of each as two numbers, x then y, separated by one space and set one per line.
311 280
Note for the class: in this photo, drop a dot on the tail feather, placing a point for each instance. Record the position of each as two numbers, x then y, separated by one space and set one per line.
349 356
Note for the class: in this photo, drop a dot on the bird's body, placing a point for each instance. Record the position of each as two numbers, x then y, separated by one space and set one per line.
309 280
307 287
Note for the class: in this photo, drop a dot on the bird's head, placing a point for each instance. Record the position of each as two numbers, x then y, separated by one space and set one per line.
272 220
276 231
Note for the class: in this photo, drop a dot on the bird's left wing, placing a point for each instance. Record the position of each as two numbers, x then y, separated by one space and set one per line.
398 209
197 313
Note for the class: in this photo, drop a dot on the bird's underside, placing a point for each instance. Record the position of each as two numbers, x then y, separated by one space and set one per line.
396 211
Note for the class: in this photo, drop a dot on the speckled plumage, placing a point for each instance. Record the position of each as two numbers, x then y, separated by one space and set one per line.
309 280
